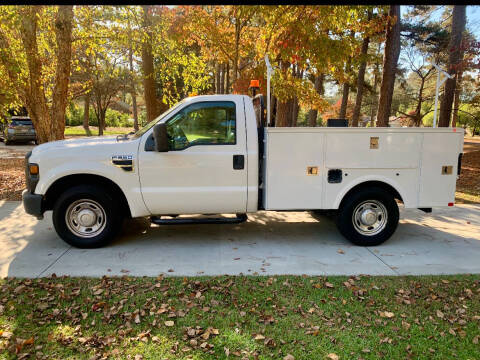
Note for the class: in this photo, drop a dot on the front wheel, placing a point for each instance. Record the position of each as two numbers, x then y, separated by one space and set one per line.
86 216
368 217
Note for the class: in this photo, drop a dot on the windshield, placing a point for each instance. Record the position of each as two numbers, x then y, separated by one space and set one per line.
157 120
16 122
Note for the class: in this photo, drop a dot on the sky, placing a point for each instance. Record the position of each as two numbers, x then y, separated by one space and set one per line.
473 24
473 17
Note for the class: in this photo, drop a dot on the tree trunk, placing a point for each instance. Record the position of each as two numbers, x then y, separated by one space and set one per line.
418 109
217 78
282 113
227 79
360 81
313 113
36 103
346 89
273 109
133 92
456 99
101 121
147 66
283 106
454 62
135 111
373 107
237 45
86 114
63 36
222 79
295 111
390 60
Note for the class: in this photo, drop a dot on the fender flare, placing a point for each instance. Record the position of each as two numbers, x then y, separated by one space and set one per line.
369 178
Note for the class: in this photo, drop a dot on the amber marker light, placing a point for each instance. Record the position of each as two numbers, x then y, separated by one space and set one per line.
254 83
33 168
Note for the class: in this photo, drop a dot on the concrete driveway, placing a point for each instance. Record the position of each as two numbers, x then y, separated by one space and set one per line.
15 150
444 242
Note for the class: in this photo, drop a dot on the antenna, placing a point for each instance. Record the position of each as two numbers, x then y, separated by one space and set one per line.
439 85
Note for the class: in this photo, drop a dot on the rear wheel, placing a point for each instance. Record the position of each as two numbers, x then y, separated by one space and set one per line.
86 216
368 217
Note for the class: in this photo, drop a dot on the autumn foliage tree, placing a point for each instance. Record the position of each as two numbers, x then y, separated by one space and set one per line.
35 53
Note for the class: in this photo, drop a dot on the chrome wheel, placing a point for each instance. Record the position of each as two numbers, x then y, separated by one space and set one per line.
85 218
370 217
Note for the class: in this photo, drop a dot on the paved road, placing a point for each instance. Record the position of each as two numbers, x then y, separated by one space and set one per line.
447 241
15 150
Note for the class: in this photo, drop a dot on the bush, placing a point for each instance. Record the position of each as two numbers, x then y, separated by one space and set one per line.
74 116
113 118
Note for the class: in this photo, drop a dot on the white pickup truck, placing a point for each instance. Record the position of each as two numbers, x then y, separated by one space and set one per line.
213 155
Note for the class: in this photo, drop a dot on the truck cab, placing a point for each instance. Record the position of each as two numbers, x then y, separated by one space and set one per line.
213 155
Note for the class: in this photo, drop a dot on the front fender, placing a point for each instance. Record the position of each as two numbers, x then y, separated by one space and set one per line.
128 182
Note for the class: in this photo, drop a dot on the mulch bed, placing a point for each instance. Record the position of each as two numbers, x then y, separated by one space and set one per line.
469 180
12 179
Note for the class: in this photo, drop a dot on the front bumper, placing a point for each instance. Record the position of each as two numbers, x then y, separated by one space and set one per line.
20 137
33 204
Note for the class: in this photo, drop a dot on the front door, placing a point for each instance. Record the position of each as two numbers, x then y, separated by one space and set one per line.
197 174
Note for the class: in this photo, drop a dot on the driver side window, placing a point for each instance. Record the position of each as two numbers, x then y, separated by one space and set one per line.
204 123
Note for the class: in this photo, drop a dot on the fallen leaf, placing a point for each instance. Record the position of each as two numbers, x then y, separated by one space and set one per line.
98 292
169 323
332 356
259 337
289 357
19 289
387 314
329 285
28 341
440 314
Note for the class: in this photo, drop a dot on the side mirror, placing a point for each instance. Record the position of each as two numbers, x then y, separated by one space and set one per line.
160 137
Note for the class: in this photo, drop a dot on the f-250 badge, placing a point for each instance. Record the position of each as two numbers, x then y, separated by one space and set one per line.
125 162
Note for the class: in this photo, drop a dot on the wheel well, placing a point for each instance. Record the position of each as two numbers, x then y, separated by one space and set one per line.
62 184
368 184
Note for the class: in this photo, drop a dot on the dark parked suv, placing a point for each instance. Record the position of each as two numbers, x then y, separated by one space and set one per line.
18 128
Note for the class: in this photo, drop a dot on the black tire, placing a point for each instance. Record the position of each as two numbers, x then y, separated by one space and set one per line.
101 201
369 199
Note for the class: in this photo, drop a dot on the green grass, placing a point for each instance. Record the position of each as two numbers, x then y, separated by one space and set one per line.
80 131
248 317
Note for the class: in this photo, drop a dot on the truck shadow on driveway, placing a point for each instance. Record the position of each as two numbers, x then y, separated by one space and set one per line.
267 244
